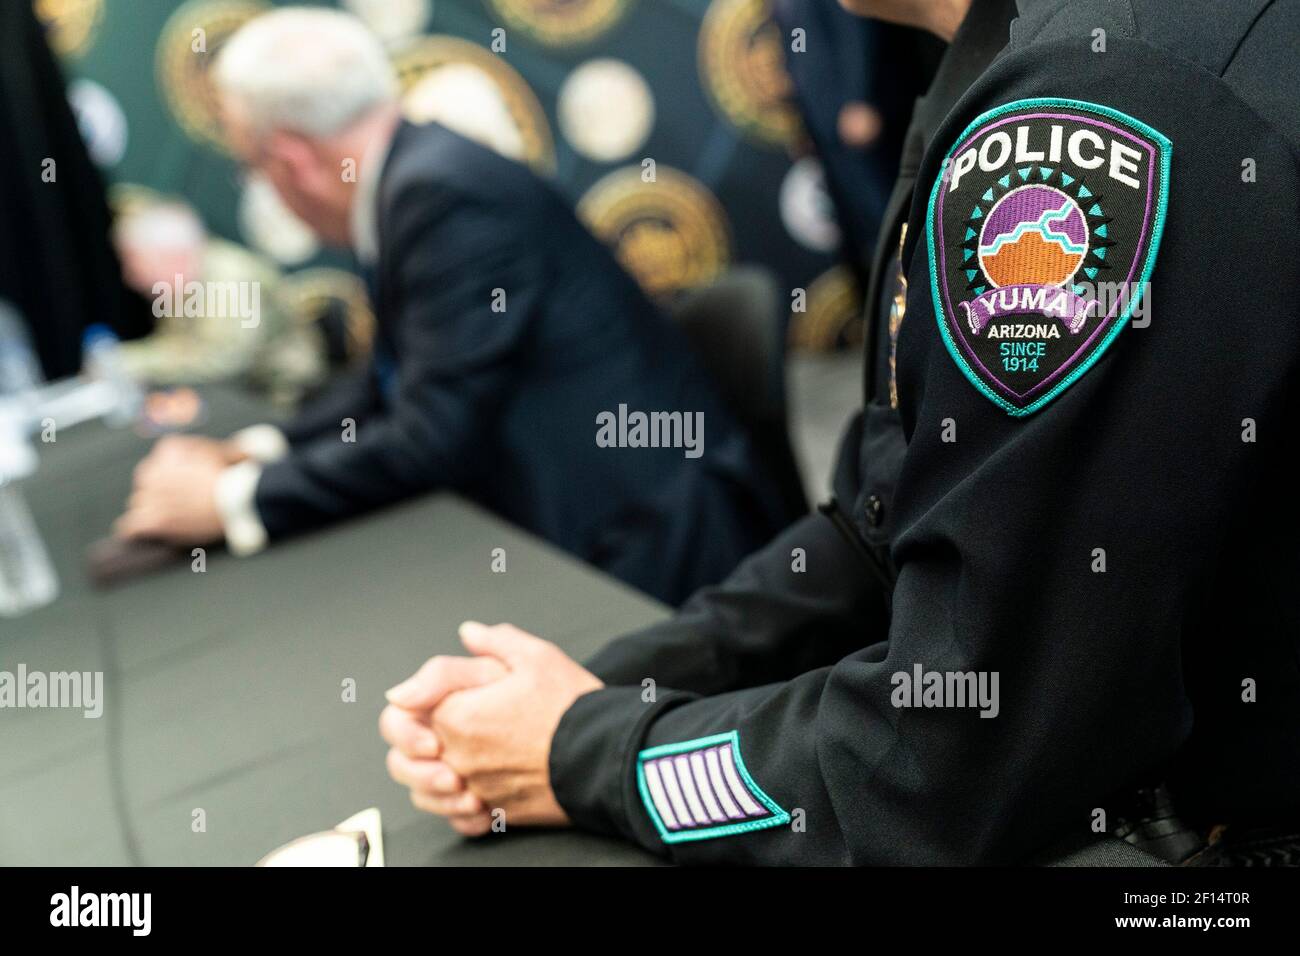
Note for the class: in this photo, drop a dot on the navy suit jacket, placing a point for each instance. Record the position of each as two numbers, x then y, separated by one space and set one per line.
504 330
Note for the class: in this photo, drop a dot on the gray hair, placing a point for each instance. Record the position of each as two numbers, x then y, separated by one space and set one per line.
306 70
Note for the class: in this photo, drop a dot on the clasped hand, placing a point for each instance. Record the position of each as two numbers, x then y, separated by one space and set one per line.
471 736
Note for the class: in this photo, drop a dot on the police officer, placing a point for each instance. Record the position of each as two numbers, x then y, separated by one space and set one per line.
1062 565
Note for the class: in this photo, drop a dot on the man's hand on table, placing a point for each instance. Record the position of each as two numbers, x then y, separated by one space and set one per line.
473 735
174 493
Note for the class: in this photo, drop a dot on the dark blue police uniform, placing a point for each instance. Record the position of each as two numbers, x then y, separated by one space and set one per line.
1062 564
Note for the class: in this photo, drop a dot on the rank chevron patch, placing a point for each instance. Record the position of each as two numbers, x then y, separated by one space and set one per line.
700 789
1042 232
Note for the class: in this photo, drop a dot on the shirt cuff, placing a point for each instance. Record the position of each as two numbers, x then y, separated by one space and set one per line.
235 493
593 759
263 443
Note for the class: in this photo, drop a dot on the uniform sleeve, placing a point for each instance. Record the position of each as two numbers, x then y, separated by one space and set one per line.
355 396
1065 561
467 288
800 602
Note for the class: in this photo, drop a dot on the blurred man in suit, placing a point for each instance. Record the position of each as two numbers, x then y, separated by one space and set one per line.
515 362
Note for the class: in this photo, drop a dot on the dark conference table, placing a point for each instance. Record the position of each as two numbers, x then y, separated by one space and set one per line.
223 690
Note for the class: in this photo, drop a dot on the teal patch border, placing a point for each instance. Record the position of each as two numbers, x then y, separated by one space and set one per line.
779 817
1157 231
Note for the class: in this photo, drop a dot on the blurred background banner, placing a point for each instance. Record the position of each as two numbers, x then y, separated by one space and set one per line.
670 124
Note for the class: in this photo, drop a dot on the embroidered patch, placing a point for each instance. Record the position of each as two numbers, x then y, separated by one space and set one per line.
1042 234
700 789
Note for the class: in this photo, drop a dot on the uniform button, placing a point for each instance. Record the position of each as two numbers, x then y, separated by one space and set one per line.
875 511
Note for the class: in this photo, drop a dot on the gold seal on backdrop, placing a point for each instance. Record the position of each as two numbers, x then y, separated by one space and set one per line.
187 48
419 59
671 234
605 109
72 24
742 64
309 293
832 317
561 22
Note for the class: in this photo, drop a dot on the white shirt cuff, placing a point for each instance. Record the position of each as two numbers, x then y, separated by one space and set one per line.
236 489
264 443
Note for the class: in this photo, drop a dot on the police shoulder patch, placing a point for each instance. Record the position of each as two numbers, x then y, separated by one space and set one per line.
1042 232
700 789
